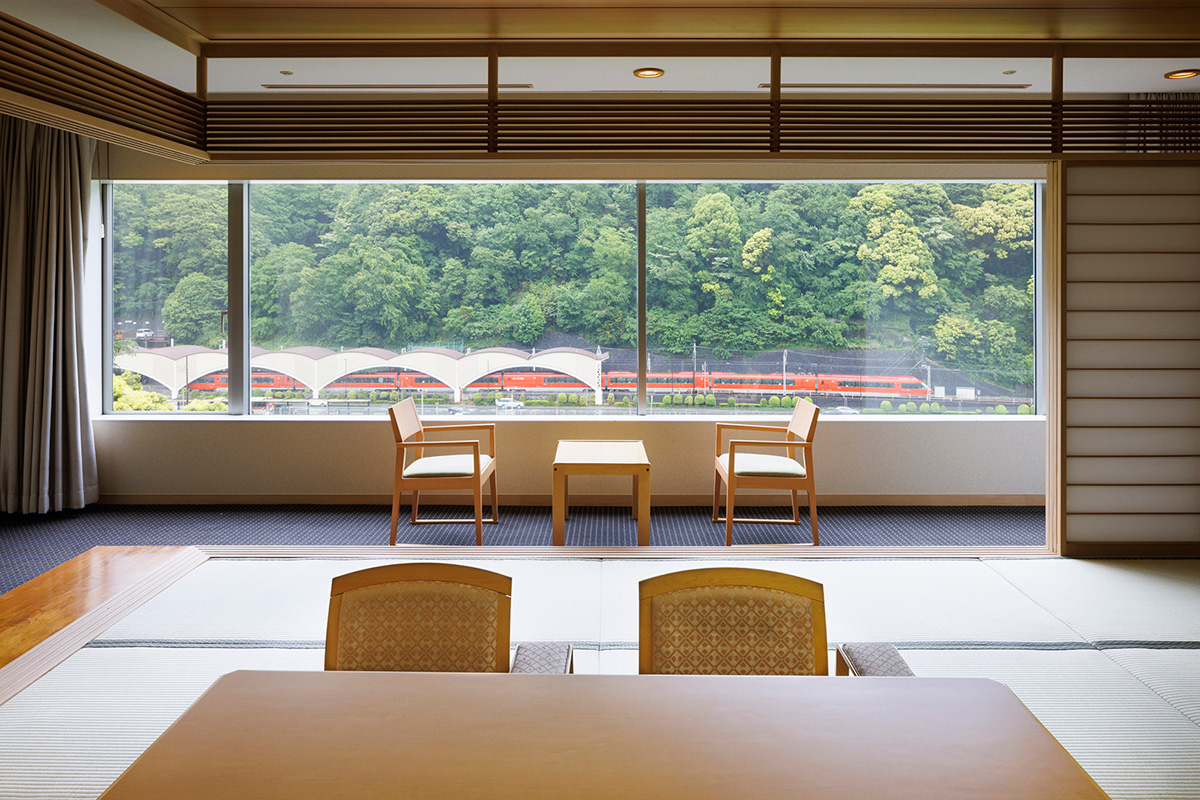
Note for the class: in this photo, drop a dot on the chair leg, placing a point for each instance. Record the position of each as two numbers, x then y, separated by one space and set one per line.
395 512
416 499
495 502
396 494
812 512
716 495
729 512
796 506
478 493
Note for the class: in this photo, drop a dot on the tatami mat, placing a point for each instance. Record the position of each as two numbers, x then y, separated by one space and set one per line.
1061 633
73 732
1133 600
895 601
1173 674
287 600
1131 741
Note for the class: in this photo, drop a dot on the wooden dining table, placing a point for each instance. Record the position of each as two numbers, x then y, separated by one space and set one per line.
367 735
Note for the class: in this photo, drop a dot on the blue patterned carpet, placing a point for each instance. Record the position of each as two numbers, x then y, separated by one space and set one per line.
31 544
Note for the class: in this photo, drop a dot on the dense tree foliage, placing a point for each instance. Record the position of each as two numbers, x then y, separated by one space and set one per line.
946 268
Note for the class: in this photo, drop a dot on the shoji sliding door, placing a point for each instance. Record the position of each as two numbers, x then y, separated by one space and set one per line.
1131 408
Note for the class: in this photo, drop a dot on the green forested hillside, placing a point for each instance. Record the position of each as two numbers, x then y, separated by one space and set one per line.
945 268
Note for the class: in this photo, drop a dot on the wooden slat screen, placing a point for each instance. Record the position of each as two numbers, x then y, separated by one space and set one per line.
53 72
714 125
1132 354
916 126
348 127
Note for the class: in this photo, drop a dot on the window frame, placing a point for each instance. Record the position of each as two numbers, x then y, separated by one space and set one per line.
239 263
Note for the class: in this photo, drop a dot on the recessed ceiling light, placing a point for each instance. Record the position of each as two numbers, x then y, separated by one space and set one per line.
649 72
286 72
1182 73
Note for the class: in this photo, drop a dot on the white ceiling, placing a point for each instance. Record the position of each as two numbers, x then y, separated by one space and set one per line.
94 27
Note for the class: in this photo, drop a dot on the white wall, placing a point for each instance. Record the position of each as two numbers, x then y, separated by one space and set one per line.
859 459
863 459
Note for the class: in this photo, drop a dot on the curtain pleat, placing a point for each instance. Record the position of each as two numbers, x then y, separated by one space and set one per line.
47 453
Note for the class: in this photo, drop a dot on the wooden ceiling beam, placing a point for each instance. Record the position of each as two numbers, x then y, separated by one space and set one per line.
159 23
720 48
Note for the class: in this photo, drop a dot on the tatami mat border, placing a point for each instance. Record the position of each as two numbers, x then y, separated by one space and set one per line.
317 644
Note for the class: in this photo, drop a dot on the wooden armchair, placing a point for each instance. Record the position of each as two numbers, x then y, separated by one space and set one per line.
430 617
732 621
738 468
468 471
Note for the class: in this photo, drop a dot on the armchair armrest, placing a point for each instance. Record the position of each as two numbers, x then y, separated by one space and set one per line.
441 443
490 427
475 426
878 659
742 426
544 658
769 443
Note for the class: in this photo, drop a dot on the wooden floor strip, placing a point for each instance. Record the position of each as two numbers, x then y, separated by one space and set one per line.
59 612
40 608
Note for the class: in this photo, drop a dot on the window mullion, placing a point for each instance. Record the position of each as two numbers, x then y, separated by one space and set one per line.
641 297
238 335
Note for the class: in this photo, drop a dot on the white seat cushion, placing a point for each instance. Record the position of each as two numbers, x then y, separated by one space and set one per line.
459 465
758 465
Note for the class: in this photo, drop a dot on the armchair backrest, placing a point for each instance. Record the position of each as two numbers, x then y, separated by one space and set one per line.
406 423
419 618
804 421
732 621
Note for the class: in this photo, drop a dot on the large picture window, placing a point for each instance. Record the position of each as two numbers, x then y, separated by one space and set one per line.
521 298
863 297
169 277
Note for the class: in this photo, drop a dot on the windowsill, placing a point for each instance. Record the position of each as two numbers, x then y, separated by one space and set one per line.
435 419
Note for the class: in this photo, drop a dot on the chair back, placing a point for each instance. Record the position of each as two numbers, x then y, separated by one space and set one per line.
804 421
732 621
406 423
419 618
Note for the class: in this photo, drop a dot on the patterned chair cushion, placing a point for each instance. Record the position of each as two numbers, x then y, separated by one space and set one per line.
544 658
418 626
880 659
732 630
458 465
759 465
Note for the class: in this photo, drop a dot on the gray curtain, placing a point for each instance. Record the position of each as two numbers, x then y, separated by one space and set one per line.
47 455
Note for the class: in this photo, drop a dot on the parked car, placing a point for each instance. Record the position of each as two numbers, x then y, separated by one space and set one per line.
144 333
509 402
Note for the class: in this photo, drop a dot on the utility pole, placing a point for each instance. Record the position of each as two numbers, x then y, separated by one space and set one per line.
785 371
693 368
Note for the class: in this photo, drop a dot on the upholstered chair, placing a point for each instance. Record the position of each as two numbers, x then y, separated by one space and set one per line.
732 621
429 617
789 466
469 471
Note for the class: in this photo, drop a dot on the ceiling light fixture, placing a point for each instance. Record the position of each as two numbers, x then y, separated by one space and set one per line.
1179 74
286 72
649 72
1009 72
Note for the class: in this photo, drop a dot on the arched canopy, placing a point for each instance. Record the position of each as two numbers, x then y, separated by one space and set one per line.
317 367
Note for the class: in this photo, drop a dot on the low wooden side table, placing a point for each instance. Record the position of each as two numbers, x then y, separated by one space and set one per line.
602 457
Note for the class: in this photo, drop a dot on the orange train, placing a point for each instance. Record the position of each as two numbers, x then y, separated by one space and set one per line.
616 381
